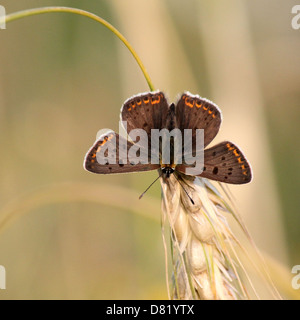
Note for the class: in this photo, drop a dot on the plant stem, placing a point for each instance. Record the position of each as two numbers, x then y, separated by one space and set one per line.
36 11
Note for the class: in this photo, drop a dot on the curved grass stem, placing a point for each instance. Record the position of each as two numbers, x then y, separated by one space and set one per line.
36 11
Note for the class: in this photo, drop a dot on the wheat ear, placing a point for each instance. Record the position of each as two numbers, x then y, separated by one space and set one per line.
205 265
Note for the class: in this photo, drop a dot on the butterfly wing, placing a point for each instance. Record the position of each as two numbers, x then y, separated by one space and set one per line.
194 112
109 154
224 162
145 111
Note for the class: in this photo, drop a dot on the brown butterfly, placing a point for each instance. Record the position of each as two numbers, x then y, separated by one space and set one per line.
223 162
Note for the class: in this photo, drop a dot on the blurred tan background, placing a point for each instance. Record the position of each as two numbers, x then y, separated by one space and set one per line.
74 235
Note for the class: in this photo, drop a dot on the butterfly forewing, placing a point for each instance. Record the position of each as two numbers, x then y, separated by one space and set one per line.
194 112
146 111
110 154
224 162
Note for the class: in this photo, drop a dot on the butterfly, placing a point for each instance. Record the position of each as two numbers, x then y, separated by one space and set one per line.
223 162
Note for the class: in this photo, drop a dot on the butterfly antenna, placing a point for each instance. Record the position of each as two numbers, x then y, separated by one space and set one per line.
140 197
192 201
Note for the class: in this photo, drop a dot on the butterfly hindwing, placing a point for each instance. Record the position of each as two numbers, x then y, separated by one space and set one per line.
109 154
224 162
194 112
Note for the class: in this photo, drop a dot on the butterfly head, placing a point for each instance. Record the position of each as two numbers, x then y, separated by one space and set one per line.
167 171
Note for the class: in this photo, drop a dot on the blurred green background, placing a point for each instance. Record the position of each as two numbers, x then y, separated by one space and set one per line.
64 77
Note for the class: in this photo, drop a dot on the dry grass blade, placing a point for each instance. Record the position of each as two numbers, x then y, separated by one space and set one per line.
77 191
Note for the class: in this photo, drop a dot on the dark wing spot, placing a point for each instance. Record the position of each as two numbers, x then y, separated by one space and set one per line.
215 170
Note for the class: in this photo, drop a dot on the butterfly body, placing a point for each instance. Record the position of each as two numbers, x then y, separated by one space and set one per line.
150 112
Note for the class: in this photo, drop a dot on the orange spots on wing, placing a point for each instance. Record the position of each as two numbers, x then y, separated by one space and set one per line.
155 99
189 102
235 153
139 102
229 147
245 173
106 138
240 160
198 104
132 104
